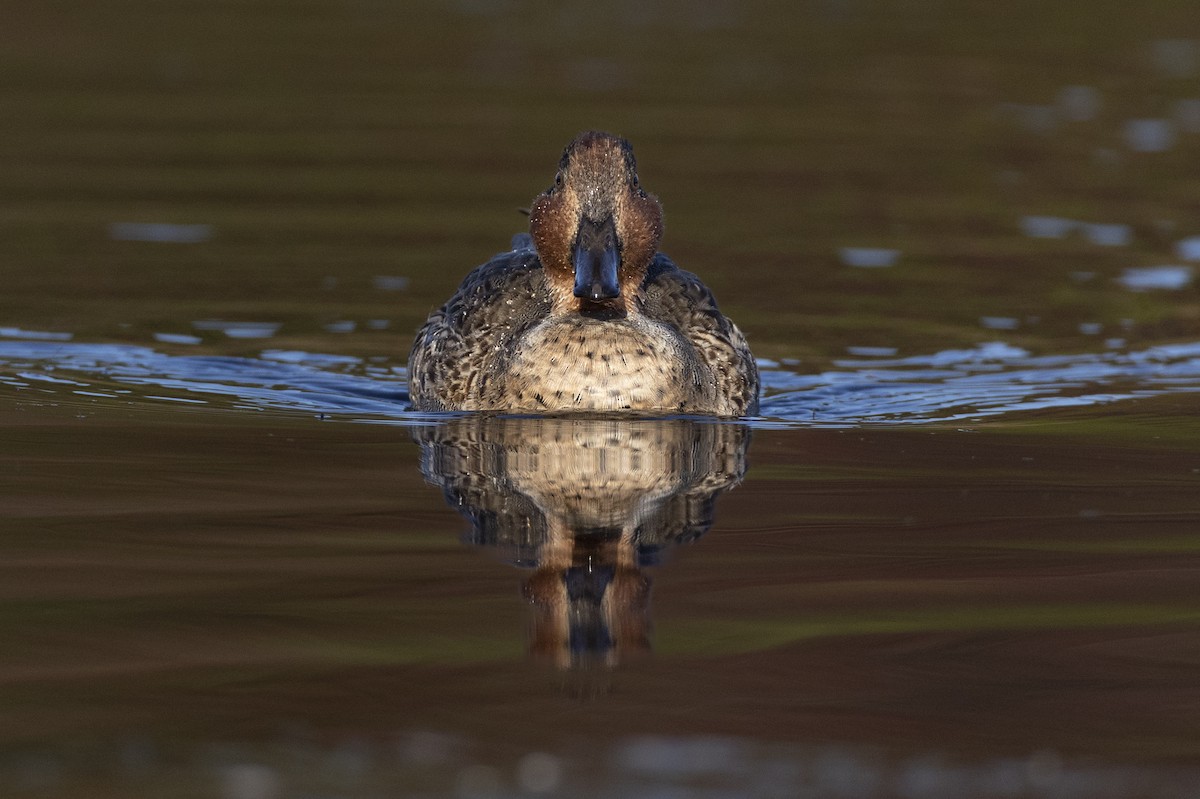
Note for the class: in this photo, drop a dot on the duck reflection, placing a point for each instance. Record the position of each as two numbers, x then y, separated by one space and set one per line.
588 504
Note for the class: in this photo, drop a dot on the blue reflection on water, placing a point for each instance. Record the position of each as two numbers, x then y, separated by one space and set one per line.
279 380
633 765
985 381
1171 278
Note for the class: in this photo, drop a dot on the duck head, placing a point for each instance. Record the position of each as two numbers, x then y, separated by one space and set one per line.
595 229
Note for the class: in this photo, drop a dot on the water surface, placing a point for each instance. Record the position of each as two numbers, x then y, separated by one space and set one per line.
955 556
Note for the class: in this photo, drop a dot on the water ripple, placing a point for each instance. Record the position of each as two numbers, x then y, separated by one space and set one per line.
990 380
986 381
279 380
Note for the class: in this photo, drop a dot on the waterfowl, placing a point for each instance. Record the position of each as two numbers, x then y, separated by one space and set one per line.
584 313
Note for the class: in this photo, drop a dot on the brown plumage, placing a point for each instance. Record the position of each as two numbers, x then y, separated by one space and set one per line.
585 314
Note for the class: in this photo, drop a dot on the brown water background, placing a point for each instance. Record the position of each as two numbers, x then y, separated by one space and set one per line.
230 599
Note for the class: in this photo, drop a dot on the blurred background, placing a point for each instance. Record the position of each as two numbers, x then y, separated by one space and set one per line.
247 602
906 175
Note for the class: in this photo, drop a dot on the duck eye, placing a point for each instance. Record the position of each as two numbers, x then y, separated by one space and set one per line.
635 180
558 180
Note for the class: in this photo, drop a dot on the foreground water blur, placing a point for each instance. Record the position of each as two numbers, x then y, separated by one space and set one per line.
957 555
229 603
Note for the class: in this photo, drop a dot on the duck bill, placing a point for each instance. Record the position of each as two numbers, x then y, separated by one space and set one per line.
596 261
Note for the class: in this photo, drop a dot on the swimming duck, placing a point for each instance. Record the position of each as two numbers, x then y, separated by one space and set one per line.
584 313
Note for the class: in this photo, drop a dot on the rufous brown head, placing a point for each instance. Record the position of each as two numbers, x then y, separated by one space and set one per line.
596 229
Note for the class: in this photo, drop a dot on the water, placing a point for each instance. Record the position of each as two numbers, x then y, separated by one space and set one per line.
215 600
956 555
989 380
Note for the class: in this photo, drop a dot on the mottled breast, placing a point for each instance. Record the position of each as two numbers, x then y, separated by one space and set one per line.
574 362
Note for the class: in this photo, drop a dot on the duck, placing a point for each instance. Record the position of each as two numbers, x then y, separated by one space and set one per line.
583 313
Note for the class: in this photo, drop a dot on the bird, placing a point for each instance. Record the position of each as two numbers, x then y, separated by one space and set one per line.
583 313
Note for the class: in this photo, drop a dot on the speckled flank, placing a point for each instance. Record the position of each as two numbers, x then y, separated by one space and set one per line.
516 337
